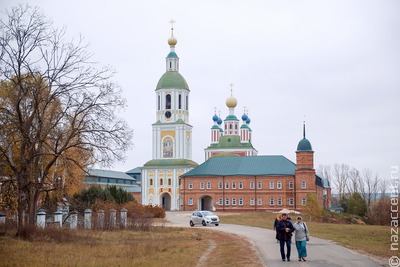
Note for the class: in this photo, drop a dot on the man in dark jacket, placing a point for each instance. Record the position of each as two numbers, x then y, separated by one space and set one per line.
285 229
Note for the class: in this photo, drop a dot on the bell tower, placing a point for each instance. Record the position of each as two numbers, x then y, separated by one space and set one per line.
171 137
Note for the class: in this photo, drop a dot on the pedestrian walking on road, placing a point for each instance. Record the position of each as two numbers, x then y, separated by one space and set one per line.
277 219
285 232
301 237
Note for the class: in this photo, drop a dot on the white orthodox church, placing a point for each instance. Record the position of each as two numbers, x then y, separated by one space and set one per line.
171 138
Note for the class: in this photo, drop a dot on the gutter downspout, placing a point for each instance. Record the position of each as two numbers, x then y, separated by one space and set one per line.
184 194
294 192
255 193
223 193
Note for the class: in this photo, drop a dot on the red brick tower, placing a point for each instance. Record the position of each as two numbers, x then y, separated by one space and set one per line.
305 172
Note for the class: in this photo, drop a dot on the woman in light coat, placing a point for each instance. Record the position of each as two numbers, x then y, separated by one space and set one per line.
301 237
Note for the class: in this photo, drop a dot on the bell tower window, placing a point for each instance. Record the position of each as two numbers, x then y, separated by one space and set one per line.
168 101
180 102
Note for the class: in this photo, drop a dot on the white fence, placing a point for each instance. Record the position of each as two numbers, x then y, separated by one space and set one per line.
100 219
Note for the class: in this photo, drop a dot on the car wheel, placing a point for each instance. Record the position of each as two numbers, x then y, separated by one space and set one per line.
204 223
191 223
216 224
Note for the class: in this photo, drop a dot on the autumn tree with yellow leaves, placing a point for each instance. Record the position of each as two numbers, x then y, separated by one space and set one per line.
58 110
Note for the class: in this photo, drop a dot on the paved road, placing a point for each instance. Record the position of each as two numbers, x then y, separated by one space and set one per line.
321 252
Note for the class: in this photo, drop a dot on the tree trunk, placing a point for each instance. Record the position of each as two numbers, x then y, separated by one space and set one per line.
22 204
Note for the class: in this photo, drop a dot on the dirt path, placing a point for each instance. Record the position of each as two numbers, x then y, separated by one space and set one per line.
206 253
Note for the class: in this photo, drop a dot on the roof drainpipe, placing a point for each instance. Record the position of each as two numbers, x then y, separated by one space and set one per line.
255 193
294 193
184 194
223 193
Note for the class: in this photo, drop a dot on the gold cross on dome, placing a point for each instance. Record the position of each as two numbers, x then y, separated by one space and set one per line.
231 85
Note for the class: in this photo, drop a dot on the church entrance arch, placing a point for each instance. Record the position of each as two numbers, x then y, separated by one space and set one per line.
165 200
205 203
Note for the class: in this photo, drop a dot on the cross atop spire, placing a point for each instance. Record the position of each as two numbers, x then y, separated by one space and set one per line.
304 129
172 21
231 85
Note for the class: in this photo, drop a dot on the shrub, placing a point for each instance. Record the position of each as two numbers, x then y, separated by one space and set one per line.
379 212
312 207
156 210
357 205
94 195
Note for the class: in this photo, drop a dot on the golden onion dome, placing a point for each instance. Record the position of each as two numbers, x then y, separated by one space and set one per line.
172 40
231 102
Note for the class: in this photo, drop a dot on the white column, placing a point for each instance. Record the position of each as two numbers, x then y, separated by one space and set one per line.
113 218
41 218
88 219
2 218
58 217
74 220
100 219
124 218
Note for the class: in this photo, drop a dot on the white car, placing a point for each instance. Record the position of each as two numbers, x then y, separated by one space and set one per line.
204 217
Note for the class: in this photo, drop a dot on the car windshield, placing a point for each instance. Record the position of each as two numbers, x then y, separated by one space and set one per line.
207 213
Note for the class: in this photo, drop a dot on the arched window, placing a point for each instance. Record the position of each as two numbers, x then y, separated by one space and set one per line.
161 181
169 181
180 102
168 101
151 182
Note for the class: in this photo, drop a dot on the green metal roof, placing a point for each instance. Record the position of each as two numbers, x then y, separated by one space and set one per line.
108 174
135 170
322 182
178 121
304 145
172 55
231 118
230 141
172 80
169 163
133 189
244 166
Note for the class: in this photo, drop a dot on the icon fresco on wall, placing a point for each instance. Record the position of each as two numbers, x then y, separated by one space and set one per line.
168 150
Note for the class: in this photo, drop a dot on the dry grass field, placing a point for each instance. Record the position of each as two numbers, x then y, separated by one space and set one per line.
161 246
370 239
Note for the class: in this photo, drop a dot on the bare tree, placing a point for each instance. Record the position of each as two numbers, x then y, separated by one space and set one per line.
57 108
325 172
354 183
383 186
340 177
371 185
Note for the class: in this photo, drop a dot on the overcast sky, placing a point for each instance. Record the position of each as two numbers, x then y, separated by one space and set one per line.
335 62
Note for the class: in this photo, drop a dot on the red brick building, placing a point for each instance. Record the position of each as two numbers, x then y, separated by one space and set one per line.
254 183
